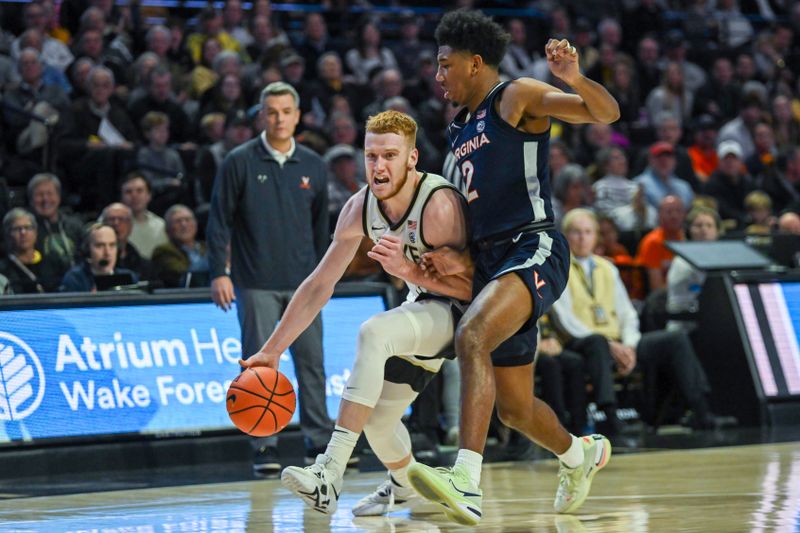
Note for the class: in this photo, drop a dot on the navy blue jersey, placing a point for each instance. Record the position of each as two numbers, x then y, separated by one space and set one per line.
506 171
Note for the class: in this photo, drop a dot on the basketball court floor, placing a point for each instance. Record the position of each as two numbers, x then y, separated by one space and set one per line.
729 488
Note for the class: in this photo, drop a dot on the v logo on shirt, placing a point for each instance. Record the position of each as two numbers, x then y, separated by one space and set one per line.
305 182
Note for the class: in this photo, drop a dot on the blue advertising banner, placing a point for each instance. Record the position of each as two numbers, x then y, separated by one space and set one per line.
161 369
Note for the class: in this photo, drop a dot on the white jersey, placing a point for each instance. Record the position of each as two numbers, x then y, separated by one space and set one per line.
409 228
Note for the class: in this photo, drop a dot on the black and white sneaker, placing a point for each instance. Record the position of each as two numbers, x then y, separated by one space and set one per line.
389 496
266 462
317 485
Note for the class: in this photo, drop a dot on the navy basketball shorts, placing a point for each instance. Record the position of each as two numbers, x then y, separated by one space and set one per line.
541 260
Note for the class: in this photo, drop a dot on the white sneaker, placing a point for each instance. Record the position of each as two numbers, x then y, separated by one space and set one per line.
317 485
574 483
386 498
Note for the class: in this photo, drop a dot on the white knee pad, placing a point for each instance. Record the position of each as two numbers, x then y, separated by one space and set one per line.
413 329
372 350
388 438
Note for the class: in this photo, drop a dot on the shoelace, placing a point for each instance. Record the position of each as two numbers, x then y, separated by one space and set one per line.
564 474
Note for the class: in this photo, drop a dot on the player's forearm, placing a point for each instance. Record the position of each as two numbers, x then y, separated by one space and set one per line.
457 286
304 307
599 102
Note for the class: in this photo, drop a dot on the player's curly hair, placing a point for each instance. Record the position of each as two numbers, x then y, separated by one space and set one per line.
472 31
393 122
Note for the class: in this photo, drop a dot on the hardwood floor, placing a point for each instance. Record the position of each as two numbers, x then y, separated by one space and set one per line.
743 488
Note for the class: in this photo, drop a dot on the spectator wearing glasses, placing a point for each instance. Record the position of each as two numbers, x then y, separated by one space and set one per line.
28 270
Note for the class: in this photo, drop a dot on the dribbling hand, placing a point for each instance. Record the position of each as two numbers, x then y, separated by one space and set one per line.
562 58
270 360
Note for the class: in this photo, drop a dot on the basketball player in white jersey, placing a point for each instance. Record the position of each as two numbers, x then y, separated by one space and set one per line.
406 213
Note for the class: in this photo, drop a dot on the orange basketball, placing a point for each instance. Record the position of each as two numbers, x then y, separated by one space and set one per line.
261 401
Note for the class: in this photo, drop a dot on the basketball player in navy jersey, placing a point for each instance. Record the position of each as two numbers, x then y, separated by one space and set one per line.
406 213
521 263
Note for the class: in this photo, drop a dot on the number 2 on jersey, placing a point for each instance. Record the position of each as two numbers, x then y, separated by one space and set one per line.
467 170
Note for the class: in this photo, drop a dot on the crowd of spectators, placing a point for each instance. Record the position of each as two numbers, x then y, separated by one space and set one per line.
122 114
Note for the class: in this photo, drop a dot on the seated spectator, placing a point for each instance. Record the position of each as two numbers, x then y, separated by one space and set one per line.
59 234
120 217
182 262
570 190
386 84
100 142
740 128
703 152
637 216
148 228
669 129
34 38
766 152
268 39
342 129
293 69
729 184
594 312
659 179
719 96
203 76
225 95
54 52
409 48
78 74
212 128
343 178
786 123
232 22
608 244
760 217
368 54
782 180
211 27
237 130
613 189
90 43
330 82
27 269
684 282
32 95
161 165
560 154
100 259
563 379
672 95
653 254
625 91
315 41
159 98
789 222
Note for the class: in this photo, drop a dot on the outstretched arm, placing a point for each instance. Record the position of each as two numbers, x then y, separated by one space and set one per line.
316 289
592 103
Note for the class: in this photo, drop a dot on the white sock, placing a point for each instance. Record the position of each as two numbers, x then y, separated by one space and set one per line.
573 457
400 476
340 448
471 462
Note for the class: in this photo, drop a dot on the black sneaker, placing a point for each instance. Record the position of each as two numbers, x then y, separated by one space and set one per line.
266 462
